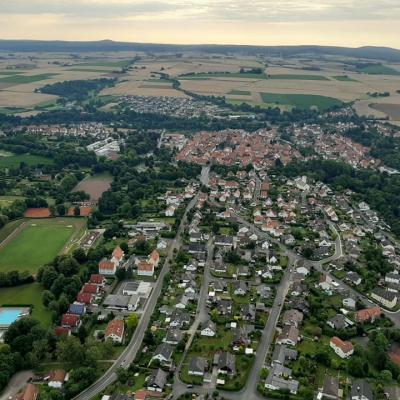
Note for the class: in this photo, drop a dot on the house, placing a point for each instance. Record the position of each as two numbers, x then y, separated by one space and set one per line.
292 317
282 354
197 248
361 390
145 269
240 288
90 288
240 339
248 313
157 380
367 314
107 268
60 330
325 282
330 390
276 381
182 303
97 279
163 354
264 291
343 349
84 298
289 335
349 303
227 363
303 268
57 378
154 258
115 330
225 241
337 322
392 278
70 321
179 319
388 299
31 392
117 256
209 329
197 366
353 278
173 336
76 308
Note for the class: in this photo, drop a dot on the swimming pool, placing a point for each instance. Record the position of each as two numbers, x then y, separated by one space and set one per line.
10 315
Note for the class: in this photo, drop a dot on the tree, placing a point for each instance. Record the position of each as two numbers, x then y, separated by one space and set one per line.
132 322
80 255
77 211
61 209
122 375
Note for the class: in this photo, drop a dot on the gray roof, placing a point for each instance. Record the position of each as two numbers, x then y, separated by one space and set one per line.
116 300
227 361
331 386
276 380
198 364
338 321
283 353
361 388
165 350
157 378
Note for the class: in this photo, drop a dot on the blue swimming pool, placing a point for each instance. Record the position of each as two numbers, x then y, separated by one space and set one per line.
9 315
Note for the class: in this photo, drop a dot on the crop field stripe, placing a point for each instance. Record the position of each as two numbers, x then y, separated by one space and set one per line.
299 77
20 79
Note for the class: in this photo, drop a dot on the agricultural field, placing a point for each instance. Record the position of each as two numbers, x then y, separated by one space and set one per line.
304 101
30 294
94 185
36 242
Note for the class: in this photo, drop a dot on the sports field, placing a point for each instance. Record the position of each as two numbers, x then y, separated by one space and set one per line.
37 242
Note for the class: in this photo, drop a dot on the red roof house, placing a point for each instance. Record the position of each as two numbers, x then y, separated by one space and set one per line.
90 288
70 320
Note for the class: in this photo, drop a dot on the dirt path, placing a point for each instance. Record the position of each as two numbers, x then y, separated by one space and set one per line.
16 384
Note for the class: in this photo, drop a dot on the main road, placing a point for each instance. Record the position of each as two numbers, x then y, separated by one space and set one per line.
129 354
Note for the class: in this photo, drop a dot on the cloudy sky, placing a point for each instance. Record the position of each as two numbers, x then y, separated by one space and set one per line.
263 22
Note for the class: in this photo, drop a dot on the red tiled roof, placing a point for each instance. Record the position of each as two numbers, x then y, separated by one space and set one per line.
106 265
118 253
90 288
71 320
97 279
115 327
60 330
144 266
367 314
85 298
344 346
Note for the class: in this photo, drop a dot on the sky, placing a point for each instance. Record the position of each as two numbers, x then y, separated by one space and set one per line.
260 22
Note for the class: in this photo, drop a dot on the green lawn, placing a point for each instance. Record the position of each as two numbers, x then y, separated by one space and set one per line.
30 294
6 230
303 101
299 77
31 160
344 78
20 79
37 244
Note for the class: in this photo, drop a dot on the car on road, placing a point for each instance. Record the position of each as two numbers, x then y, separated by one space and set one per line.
189 386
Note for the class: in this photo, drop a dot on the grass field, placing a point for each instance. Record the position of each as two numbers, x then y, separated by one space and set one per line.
299 77
344 78
38 243
15 160
20 79
304 101
6 230
27 294
100 71
116 64
6 201
377 69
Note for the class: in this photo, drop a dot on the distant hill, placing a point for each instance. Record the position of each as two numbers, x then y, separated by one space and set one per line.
368 52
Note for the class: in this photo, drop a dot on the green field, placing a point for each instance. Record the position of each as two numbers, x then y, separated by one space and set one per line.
101 71
240 92
303 101
37 244
344 78
377 69
15 160
115 64
30 294
6 230
6 201
225 75
20 79
299 77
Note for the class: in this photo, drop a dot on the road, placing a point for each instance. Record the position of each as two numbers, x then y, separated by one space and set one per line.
16 384
205 175
134 345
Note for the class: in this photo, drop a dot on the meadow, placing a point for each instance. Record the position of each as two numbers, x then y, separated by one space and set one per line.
15 160
21 79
